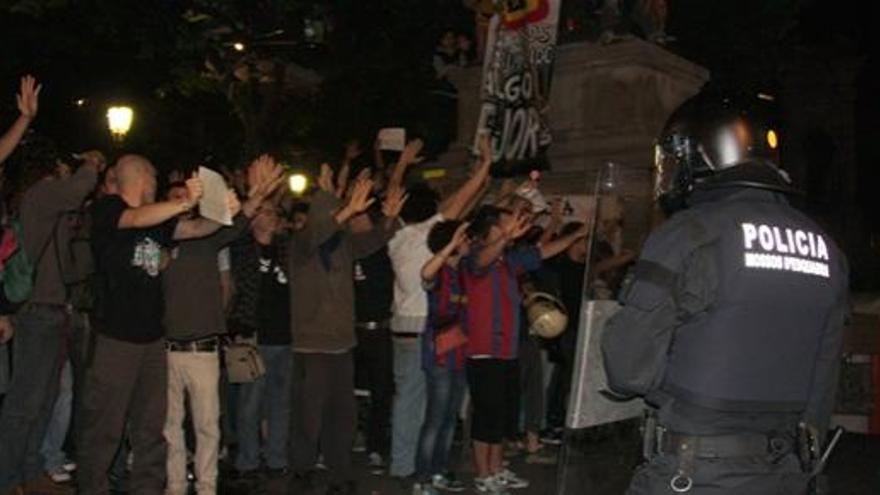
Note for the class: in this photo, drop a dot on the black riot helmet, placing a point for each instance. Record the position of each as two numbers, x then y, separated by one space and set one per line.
711 141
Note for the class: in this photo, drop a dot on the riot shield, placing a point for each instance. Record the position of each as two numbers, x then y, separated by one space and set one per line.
587 405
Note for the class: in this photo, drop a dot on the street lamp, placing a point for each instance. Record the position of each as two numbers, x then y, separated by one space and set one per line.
119 120
298 183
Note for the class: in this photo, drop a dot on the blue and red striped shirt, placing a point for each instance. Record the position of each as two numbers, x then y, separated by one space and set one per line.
492 319
446 304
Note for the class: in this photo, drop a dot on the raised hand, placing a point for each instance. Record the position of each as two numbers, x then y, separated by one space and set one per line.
459 237
28 97
507 188
360 197
264 177
411 153
342 180
353 150
325 179
484 145
394 201
518 226
194 190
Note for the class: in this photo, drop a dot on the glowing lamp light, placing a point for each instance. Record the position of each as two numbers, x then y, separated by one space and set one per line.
239 46
119 120
772 139
298 183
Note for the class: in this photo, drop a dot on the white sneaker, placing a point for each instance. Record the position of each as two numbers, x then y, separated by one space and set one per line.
510 480
424 489
491 485
447 483
60 476
376 463
69 466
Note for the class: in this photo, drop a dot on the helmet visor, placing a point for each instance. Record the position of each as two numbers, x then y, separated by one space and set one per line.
666 171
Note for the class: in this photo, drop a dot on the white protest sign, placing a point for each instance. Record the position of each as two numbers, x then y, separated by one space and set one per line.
214 204
392 138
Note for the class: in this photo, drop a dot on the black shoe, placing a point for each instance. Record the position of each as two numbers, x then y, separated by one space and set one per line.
245 475
276 473
347 488
303 482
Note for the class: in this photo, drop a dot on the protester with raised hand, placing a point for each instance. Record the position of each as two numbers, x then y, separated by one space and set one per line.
443 357
260 310
43 325
409 252
194 323
127 375
491 274
321 260
27 99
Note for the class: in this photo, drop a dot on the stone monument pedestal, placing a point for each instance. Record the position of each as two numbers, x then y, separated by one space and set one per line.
607 103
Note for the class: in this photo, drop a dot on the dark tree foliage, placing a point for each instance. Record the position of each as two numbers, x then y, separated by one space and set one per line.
224 79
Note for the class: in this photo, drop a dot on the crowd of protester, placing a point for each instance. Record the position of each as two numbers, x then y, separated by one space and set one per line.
121 307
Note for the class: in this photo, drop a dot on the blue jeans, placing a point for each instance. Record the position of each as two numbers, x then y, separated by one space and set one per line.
445 393
53 443
269 397
408 410
41 333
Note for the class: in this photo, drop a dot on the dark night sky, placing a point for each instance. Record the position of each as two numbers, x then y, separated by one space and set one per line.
377 57
377 43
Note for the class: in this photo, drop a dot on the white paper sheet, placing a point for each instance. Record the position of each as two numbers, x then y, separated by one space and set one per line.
214 204
392 138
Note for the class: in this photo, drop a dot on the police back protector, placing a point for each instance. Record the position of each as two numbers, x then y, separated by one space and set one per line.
779 277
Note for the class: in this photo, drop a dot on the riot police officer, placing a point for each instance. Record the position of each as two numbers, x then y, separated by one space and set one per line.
731 323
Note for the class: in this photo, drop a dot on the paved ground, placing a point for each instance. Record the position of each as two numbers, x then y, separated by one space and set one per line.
600 463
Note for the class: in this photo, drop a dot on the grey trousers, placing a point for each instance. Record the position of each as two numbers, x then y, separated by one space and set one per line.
124 381
324 413
752 476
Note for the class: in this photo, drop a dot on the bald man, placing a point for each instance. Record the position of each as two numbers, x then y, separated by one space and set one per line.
127 373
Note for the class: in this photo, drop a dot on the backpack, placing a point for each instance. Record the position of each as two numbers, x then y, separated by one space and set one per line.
17 272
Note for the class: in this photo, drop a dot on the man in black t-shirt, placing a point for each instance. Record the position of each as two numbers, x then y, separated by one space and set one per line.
373 295
127 372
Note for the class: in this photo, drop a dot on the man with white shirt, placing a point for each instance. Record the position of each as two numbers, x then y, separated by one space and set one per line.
408 250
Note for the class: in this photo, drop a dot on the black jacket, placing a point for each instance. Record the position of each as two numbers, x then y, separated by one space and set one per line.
733 317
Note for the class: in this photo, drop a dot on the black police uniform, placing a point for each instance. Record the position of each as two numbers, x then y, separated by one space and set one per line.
731 327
